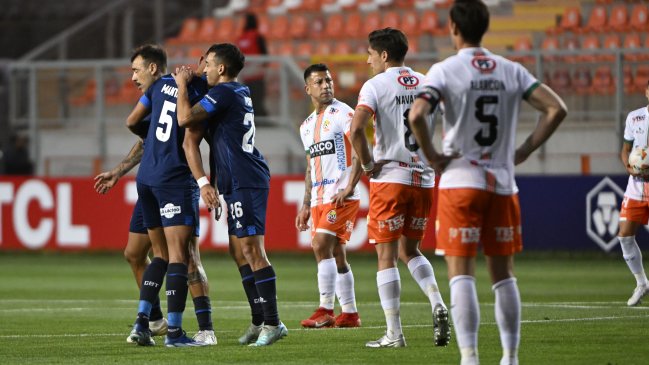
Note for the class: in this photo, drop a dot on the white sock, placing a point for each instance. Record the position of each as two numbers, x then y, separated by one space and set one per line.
345 292
466 316
422 271
327 282
633 257
389 285
508 318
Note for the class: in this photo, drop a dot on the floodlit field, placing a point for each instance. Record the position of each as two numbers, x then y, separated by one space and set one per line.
79 308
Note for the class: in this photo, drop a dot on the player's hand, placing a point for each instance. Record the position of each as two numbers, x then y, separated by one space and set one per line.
105 181
302 219
183 75
339 198
639 176
442 162
210 197
376 170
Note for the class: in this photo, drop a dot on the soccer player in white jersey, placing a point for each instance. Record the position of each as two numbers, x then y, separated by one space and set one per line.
401 187
635 207
331 198
480 94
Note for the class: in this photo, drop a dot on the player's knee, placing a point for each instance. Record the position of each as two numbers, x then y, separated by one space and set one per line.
197 276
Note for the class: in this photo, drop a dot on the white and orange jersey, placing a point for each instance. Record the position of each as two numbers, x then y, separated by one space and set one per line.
388 96
481 94
326 139
635 131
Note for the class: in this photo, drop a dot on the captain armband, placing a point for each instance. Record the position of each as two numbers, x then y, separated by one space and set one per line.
431 95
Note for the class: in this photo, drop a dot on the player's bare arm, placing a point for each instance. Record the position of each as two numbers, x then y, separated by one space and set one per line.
305 211
138 114
553 111
187 115
354 178
191 143
106 180
359 142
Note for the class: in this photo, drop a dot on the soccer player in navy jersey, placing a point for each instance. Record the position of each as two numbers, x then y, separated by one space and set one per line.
138 246
168 194
226 116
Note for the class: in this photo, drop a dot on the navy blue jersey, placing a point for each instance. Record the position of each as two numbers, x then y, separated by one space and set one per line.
231 131
164 162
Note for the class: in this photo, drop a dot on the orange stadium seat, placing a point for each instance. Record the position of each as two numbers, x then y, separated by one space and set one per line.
590 43
304 49
372 21
409 23
571 44
335 26
196 52
207 31
570 20
256 6
611 43
187 32
404 4
263 24
87 96
523 44
632 41
317 27
603 82
413 46
560 80
309 5
279 28
581 81
429 23
343 47
353 26
323 48
628 80
225 30
618 19
391 19
299 26
639 18
641 78
285 48
550 43
596 20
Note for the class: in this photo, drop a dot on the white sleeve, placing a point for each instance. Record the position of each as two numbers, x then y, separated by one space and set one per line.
525 79
628 132
367 97
435 78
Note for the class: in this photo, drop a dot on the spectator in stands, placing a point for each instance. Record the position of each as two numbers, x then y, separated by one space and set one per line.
16 156
251 42
478 197
634 212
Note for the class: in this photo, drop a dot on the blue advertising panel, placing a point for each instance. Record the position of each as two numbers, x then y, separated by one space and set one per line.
572 212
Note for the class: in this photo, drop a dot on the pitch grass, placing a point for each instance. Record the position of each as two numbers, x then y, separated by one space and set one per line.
79 308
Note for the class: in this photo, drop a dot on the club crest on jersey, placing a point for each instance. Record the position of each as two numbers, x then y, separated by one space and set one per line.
169 210
326 125
322 148
332 216
483 64
408 81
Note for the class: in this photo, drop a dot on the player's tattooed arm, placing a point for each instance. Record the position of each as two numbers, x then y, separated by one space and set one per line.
304 213
106 180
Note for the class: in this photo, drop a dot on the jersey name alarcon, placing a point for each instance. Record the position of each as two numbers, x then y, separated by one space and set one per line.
325 138
635 131
164 162
389 96
231 130
481 95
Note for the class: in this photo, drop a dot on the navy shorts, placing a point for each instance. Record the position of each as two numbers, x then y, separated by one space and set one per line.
137 219
246 212
166 207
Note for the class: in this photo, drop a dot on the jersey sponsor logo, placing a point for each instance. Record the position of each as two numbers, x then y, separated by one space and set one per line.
169 210
333 110
323 182
332 216
150 283
349 226
638 118
418 224
322 148
392 224
405 99
488 84
483 64
340 151
409 81
247 100
504 234
170 292
467 234
170 90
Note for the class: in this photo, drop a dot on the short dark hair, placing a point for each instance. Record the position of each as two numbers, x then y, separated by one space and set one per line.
391 40
230 55
471 18
151 53
318 67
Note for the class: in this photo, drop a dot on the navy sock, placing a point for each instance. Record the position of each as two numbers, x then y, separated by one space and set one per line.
156 311
203 310
151 284
265 282
176 296
248 281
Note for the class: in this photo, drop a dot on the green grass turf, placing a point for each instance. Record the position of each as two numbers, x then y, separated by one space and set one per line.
78 308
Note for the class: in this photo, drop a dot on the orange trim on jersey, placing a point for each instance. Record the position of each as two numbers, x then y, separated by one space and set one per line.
317 164
348 149
366 107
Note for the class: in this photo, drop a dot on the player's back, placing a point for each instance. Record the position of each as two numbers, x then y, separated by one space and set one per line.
481 94
164 162
231 129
